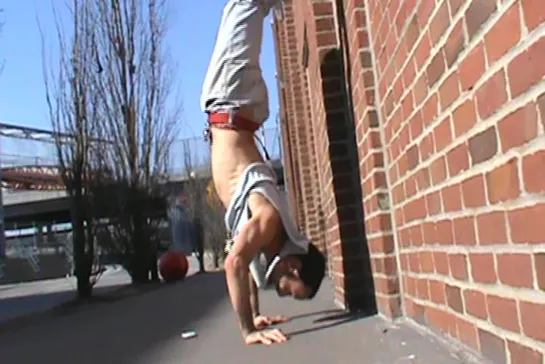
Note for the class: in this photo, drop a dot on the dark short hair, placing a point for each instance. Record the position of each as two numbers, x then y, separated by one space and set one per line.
312 269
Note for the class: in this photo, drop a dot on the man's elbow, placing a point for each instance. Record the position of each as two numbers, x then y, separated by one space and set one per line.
235 263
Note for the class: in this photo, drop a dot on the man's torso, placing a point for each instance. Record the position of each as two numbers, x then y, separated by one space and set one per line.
232 152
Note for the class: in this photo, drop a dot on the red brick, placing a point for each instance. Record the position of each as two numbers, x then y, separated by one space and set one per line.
436 68
516 270
532 318
458 266
426 262
455 6
492 347
440 261
414 263
429 230
430 109
467 333
503 312
526 70
445 234
475 303
416 236
534 15
504 34
539 259
519 127
464 117
441 320
437 292
422 289
449 90
477 13
464 231
423 179
438 170
492 94
503 182
455 43
454 298
322 9
523 227
483 146
472 67
439 23
492 228
473 191
426 147
482 268
452 198
442 134
423 50
523 354
458 159
433 203
533 173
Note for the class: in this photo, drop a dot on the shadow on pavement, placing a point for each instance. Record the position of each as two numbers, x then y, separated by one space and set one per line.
31 304
333 318
117 332
316 313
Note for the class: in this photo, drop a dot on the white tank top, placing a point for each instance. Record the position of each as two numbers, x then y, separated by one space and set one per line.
260 178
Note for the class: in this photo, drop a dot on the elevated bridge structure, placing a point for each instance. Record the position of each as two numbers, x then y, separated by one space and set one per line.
33 192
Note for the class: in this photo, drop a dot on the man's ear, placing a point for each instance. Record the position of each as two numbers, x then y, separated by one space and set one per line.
295 266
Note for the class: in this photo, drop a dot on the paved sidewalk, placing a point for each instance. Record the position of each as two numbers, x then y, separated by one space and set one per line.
20 300
145 329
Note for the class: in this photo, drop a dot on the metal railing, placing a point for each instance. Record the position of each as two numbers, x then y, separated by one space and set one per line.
44 153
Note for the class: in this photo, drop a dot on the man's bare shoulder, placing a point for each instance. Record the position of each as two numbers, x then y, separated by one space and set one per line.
261 205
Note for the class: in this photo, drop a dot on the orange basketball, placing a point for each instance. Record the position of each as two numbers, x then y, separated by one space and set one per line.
173 266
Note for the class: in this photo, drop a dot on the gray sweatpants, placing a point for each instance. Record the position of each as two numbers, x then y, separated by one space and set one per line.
234 78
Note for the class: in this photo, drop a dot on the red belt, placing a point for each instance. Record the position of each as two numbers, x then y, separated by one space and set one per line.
222 119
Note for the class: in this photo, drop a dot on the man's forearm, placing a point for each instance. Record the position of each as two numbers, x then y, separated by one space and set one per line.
239 292
254 296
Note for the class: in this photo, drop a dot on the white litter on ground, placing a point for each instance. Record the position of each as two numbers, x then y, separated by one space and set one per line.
186 335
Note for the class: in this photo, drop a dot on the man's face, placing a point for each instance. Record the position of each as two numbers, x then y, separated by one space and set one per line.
290 284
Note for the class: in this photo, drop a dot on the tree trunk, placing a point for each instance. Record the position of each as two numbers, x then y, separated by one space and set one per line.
82 264
199 237
141 258
216 258
154 269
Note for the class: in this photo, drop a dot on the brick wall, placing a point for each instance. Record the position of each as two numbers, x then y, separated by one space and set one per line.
439 106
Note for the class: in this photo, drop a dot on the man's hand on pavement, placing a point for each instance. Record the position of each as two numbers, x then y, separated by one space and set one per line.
266 337
264 321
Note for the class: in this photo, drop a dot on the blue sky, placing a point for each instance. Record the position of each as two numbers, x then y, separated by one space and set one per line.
192 29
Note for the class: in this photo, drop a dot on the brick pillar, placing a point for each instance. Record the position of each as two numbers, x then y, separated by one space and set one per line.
332 135
285 44
375 191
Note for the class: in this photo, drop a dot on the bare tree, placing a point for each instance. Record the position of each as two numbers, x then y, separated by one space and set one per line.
203 206
108 106
74 110
134 86
215 234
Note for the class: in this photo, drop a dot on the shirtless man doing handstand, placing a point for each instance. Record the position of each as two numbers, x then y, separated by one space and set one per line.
266 250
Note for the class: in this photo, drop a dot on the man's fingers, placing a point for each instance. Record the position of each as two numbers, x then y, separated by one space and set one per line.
277 336
278 319
264 339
